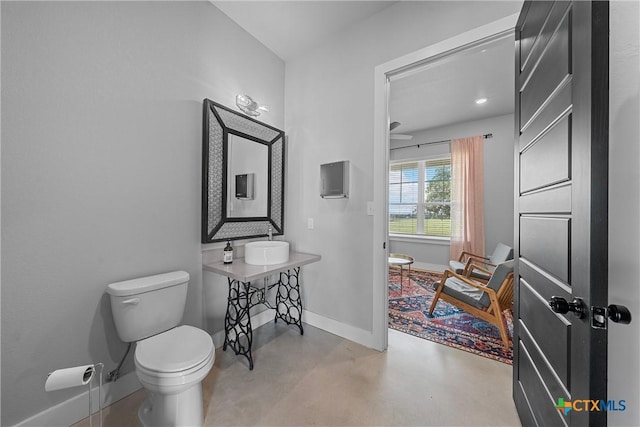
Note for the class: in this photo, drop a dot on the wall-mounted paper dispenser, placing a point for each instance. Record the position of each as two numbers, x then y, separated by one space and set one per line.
244 186
334 180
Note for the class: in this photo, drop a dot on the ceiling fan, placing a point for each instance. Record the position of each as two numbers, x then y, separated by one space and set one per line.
394 125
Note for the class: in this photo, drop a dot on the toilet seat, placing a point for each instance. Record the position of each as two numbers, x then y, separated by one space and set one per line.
177 352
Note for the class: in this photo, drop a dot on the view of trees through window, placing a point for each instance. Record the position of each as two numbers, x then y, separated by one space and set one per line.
411 213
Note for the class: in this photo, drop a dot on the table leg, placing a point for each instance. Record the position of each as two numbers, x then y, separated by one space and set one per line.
238 333
288 301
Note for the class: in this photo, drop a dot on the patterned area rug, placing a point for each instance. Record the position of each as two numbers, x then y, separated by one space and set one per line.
449 325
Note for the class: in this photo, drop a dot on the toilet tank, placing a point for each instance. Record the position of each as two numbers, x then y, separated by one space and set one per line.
148 305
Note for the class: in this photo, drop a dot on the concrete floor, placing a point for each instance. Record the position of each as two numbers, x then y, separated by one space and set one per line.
322 379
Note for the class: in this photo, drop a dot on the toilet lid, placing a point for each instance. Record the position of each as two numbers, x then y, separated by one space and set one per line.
175 350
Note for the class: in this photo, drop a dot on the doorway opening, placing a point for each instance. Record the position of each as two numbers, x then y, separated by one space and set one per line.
431 93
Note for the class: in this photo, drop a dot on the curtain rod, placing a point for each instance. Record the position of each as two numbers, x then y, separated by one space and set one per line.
485 136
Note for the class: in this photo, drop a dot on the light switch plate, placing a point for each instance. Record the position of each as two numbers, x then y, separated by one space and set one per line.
370 210
310 223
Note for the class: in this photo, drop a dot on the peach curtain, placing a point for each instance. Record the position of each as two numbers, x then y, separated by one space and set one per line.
467 196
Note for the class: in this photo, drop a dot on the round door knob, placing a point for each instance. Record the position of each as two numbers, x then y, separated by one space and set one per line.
562 306
619 314
559 305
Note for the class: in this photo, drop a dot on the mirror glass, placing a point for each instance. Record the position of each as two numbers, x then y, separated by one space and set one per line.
247 178
242 176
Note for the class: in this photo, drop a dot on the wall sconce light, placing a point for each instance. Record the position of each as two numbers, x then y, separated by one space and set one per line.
248 106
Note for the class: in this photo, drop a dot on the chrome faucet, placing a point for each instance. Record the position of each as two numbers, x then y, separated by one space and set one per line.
270 233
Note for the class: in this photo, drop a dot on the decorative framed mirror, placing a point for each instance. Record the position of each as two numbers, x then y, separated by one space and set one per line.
242 176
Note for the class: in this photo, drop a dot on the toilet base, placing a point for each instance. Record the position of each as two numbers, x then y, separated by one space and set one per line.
173 410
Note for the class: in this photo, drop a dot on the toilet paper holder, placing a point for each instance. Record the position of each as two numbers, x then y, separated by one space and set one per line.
69 377
76 376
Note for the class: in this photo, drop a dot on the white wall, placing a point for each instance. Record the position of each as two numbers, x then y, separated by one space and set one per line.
101 168
624 208
329 117
498 182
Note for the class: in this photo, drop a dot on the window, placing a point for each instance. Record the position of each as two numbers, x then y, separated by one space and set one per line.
411 213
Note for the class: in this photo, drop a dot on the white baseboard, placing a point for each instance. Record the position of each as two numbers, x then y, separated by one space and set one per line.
77 408
343 330
340 329
431 267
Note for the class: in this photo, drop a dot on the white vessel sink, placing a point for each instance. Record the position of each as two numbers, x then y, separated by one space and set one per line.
266 252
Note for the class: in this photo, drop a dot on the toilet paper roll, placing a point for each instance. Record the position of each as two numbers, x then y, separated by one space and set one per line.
69 377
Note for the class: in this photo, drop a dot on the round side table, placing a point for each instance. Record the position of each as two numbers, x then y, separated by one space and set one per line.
401 260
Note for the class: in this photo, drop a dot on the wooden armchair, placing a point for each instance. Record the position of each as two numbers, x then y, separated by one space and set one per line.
485 301
462 265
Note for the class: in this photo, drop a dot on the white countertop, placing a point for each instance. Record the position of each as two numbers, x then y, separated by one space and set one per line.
240 270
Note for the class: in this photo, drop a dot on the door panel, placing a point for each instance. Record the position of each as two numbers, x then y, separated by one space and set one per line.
561 211
545 370
544 284
545 74
542 322
543 28
545 242
549 200
559 105
546 161
529 33
546 415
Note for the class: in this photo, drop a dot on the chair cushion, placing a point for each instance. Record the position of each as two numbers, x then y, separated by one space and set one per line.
460 290
473 296
502 253
477 274
457 266
499 274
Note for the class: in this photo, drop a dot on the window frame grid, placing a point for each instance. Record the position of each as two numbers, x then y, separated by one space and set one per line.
422 202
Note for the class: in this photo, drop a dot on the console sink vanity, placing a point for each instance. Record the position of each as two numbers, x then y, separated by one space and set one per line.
247 291
253 213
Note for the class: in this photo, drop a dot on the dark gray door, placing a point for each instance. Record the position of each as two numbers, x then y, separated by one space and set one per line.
562 64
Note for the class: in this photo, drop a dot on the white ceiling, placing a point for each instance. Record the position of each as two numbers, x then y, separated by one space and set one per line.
289 28
442 94
445 92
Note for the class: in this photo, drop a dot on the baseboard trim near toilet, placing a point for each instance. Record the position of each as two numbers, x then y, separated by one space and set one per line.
340 329
77 408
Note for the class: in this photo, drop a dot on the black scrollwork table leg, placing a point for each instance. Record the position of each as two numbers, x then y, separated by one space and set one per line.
238 333
288 301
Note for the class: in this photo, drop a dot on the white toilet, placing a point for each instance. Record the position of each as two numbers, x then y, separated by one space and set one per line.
171 361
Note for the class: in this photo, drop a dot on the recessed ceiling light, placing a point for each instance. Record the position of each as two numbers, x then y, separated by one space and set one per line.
481 100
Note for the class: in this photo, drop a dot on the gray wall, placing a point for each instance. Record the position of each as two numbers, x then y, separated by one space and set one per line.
101 168
329 117
498 183
624 208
